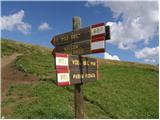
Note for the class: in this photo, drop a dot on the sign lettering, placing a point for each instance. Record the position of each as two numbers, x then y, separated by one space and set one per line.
72 37
72 69
83 41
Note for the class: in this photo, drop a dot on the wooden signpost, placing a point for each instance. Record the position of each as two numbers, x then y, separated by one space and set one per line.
83 41
71 67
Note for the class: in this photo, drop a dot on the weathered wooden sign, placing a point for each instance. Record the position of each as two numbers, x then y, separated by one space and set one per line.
73 69
83 41
71 37
79 48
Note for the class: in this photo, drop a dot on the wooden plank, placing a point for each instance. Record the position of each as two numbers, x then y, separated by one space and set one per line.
83 48
72 62
79 35
71 77
84 77
87 63
79 48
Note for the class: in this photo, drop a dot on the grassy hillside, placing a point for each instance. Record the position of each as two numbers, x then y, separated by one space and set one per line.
124 90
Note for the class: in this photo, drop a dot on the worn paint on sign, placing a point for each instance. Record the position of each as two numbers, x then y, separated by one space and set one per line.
73 69
72 37
79 48
83 41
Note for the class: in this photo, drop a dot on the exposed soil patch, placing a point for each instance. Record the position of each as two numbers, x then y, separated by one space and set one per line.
10 75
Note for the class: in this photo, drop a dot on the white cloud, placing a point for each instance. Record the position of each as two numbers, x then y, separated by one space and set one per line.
139 22
148 54
15 22
108 56
44 26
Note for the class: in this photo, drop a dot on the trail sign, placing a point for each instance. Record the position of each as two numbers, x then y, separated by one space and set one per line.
71 69
73 36
76 70
83 41
80 48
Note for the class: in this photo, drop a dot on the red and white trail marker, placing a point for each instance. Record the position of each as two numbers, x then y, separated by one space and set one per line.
63 77
98 42
62 71
61 61
70 70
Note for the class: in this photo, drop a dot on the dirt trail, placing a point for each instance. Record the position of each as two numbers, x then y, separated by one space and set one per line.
10 75
6 60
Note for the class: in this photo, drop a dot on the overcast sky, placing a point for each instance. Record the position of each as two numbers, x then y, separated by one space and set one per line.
134 25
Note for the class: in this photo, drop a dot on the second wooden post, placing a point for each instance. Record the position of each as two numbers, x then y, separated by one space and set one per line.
78 90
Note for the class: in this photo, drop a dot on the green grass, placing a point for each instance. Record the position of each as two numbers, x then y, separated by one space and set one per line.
124 92
39 64
9 47
124 89
43 100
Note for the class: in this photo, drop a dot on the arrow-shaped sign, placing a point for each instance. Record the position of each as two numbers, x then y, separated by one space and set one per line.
83 41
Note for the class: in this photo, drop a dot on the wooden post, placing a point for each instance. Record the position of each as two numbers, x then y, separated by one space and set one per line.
78 91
